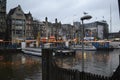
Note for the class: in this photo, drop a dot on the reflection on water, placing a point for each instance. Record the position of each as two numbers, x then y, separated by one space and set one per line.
98 62
19 67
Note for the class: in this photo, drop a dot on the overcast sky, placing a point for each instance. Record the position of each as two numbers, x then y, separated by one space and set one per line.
68 11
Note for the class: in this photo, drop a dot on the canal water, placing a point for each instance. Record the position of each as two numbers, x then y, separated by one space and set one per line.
96 62
19 66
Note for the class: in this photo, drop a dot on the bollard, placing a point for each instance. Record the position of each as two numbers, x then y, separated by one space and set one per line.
46 64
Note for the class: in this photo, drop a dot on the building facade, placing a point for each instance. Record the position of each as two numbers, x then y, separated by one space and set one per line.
16 22
56 29
76 25
98 30
38 29
68 31
29 27
3 19
52 29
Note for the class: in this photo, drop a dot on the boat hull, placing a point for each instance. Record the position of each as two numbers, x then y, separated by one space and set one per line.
10 50
103 46
87 48
109 49
32 51
115 44
65 52
56 51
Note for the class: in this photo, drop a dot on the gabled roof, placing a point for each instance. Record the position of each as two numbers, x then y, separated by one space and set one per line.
28 14
12 11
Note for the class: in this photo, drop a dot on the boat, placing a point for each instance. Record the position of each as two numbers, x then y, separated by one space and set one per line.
64 51
36 51
58 50
10 50
32 51
8 46
86 47
115 43
102 45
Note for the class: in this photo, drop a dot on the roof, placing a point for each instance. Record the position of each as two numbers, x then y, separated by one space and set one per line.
28 14
12 11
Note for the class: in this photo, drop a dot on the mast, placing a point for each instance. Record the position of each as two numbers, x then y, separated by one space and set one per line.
119 7
110 19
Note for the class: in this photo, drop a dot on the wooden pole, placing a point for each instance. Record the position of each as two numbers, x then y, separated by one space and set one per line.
46 64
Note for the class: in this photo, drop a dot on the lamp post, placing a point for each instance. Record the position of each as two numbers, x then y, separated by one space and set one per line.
86 17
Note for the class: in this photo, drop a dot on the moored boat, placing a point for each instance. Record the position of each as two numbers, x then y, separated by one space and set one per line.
89 47
33 51
115 43
103 45
56 50
64 51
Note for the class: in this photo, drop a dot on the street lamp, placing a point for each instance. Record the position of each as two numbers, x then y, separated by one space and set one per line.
86 17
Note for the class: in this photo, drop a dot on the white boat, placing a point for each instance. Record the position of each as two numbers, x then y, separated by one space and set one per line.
115 43
86 47
37 51
32 51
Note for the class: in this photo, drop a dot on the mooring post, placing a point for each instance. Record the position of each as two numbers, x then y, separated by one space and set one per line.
46 64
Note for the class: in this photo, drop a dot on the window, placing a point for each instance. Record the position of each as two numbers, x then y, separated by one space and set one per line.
18 31
18 27
20 22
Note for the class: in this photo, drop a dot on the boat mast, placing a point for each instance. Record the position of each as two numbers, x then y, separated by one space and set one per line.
110 19
119 7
